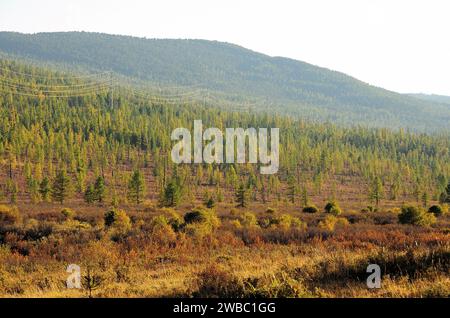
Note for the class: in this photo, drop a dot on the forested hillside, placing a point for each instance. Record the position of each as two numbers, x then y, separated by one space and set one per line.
435 98
55 123
264 83
86 179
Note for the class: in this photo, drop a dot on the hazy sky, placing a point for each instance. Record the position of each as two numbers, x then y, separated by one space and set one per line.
402 45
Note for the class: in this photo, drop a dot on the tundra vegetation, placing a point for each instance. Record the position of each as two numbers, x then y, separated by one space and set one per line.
85 183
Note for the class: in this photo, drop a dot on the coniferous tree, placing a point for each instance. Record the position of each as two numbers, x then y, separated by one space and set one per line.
376 191
292 189
242 196
44 189
61 187
136 187
171 194
99 189
89 194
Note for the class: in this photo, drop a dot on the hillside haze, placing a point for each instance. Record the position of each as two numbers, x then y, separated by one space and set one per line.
279 85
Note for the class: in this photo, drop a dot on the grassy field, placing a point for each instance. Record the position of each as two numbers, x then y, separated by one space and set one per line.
220 252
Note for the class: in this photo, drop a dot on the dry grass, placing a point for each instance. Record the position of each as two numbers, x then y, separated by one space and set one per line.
287 259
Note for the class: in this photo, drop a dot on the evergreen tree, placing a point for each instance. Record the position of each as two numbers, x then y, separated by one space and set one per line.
171 194
61 187
376 191
89 194
44 189
242 196
136 187
99 189
292 189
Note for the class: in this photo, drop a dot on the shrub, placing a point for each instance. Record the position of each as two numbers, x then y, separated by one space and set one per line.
310 209
270 210
9 215
158 222
202 216
149 206
109 217
200 222
68 213
286 221
330 222
335 211
415 216
277 285
216 282
118 219
248 219
329 206
173 218
162 231
236 224
265 222
437 210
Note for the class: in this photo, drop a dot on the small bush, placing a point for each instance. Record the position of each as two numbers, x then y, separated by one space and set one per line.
202 216
335 211
199 223
236 224
118 219
270 210
216 282
415 216
248 219
9 215
310 209
331 222
173 218
162 231
329 206
68 213
286 221
437 210
276 285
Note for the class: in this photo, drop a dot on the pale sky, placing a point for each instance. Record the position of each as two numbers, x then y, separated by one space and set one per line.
401 45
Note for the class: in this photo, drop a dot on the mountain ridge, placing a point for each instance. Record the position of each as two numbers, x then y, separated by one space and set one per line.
281 85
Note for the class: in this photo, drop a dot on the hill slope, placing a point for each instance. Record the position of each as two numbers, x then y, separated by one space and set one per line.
433 97
282 85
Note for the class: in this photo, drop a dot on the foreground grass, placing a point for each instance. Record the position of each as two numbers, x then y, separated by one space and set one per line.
225 260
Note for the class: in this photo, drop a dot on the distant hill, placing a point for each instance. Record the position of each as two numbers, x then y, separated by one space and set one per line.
280 85
433 98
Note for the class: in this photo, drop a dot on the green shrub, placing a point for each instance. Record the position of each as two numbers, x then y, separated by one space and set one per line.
415 216
329 206
248 219
310 209
437 210
336 211
199 222
331 222
270 210
68 213
118 219
202 216
173 218
162 231
286 221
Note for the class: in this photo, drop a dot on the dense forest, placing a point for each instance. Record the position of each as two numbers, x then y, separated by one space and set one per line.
245 79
